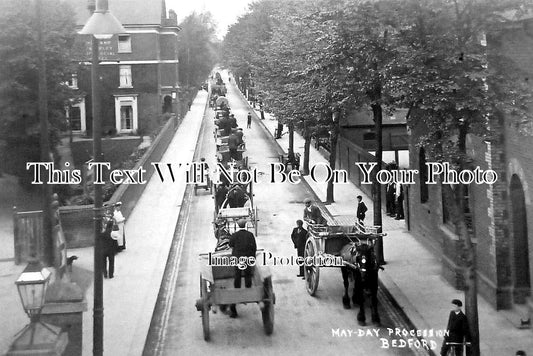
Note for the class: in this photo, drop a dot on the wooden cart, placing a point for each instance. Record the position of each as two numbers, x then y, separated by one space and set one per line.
327 242
232 215
206 184
216 288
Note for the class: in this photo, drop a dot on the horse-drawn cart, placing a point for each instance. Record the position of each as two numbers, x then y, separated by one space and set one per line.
204 183
232 215
216 288
327 243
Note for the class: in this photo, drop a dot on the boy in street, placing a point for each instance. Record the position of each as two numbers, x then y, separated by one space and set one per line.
458 330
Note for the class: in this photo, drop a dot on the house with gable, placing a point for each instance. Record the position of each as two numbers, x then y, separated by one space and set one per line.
138 69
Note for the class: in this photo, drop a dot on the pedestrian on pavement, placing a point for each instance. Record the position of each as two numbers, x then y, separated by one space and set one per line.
299 237
458 331
190 104
118 232
399 202
109 248
361 209
249 121
391 208
312 213
244 245
279 131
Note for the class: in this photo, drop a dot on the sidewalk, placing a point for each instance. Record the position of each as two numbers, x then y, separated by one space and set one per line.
412 274
130 297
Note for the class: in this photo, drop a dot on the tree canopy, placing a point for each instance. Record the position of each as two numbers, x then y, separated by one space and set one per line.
197 48
19 115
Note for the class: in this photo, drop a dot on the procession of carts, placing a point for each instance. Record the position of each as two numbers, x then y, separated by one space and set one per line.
217 280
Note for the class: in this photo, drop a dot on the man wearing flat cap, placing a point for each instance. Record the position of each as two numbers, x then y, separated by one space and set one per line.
458 330
312 213
243 243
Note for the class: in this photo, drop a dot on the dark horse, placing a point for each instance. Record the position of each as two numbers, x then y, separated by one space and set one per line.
365 275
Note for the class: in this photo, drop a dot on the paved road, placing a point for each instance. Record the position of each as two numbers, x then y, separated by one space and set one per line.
303 324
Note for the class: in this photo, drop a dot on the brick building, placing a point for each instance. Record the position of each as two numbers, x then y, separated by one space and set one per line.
500 215
359 128
138 69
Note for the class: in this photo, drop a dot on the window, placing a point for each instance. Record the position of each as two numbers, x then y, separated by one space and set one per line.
73 81
125 77
75 114
124 44
75 118
369 136
126 117
467 211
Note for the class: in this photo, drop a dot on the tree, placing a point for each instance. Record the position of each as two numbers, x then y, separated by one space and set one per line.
19 77
456 86
197 48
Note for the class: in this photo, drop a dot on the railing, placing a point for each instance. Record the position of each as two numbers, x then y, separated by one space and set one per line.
28 232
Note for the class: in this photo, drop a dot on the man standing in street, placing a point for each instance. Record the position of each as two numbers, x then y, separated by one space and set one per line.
249 121
361 209
109 246
299 237
458 330
243 244
233 144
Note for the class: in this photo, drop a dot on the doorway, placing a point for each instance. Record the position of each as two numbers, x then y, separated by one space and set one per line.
520 256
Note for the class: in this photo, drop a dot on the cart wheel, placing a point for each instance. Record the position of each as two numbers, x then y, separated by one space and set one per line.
205 308
268 310
311 273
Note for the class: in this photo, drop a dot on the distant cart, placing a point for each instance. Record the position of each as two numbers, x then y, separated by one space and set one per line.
205 183
216 288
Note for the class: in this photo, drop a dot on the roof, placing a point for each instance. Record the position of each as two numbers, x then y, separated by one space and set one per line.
364 118
128 12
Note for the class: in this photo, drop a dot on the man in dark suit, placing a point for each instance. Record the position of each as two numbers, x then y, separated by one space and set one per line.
109 249
243 244
458 330
299 237
361 209
233 144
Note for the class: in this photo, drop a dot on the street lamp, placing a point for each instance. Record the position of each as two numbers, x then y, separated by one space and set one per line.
36 337
101 25
31 286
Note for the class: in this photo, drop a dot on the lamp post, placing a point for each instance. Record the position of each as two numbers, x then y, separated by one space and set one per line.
101 25
36 337
48 244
